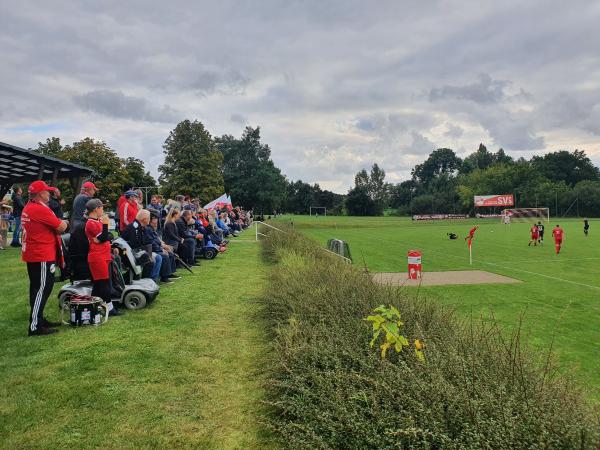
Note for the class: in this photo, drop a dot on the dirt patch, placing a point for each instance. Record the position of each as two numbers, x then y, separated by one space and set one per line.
443 278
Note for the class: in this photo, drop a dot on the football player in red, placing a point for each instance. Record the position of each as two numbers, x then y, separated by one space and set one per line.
535 235
559 235
471 234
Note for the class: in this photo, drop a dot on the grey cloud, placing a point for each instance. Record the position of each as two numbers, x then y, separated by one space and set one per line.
575 109
238 118
420 145
485 91
399 77
118 105
453 131
209 81
395 123
512 133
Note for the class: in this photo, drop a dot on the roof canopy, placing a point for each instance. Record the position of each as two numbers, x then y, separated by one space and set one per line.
18 165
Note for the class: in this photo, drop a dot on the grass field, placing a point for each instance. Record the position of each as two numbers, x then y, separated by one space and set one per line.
559 296
183 373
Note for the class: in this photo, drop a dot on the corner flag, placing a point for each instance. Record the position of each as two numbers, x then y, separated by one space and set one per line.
469 240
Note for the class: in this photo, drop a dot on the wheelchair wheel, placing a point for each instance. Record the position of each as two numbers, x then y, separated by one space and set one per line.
134 300
63 307
210 253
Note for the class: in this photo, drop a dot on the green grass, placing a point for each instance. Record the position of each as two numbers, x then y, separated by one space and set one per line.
183 373
558 297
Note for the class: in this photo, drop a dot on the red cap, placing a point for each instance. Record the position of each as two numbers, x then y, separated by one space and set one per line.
38 186
89 185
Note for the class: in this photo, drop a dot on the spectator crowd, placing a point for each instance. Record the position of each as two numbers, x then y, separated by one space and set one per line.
164 237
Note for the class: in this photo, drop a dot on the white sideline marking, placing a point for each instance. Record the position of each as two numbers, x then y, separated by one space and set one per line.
494 264
542 275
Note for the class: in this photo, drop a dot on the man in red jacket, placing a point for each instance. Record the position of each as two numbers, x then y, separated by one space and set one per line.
41 247
128 210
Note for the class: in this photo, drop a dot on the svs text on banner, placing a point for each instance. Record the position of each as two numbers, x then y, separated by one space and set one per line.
494 200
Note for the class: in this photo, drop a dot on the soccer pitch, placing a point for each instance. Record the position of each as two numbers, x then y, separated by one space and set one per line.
559 297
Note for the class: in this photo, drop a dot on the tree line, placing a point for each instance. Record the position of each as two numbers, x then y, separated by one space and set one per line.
200 165
566 182
205 166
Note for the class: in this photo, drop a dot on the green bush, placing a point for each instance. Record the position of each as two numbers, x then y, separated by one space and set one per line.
479 388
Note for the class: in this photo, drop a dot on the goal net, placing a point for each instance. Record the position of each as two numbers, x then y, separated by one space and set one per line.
318 211
525 215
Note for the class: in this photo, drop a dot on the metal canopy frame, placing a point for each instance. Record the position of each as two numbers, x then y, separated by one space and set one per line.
18 165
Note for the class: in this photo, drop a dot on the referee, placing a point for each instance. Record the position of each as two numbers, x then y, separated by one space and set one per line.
41 250
540 227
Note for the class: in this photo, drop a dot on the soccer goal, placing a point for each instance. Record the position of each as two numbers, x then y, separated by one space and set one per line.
318 211
525 214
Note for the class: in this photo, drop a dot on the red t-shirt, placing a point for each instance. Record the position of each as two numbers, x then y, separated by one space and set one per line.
98 251
127 214
534 231
558 234
39 236
120 202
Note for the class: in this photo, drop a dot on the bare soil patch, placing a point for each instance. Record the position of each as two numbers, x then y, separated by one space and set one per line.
443 278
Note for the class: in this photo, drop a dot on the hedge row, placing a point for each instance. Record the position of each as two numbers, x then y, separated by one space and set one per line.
479 388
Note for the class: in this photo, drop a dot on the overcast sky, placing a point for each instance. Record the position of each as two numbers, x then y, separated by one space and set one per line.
334 85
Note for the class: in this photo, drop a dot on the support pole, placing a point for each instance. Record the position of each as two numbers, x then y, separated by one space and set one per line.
54 177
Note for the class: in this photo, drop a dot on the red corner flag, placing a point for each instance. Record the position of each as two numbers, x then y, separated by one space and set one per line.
469 240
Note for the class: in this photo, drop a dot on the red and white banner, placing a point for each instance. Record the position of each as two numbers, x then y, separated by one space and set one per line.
494 200
223 200
439 216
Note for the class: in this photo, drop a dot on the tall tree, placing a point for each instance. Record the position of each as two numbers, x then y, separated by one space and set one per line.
250 176
361 179
109 170
192 164
137 173
359 203
373 186
440 161
377 187
568 167
480 159
500 157
52 147
402 194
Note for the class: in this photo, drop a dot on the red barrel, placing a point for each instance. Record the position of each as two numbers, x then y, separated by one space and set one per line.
414 264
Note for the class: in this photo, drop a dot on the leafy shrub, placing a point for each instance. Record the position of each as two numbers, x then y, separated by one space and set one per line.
478 387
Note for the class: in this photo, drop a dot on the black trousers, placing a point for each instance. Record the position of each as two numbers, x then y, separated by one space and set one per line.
168 264
187 250
41 282
102 289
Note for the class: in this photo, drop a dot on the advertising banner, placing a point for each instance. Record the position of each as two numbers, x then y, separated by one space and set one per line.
439 216
494 200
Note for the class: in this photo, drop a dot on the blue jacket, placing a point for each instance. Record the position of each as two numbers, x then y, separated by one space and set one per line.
152 236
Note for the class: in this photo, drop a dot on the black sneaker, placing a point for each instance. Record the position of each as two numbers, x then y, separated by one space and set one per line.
115 312
165 280
174 276
42 331
48 324
12 244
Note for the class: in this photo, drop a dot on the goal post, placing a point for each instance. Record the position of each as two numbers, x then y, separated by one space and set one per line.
525 214
317 210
